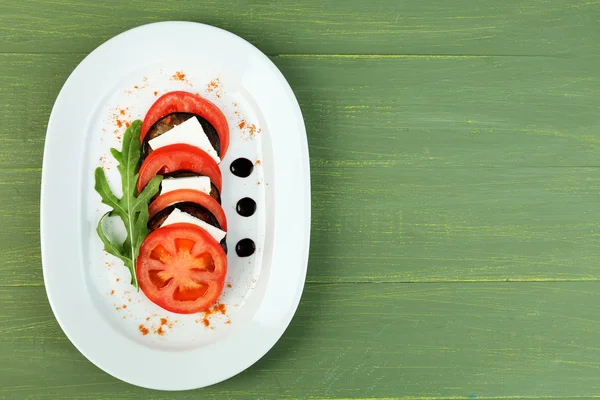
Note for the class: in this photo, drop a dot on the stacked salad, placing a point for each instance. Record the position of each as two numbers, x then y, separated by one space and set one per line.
175 248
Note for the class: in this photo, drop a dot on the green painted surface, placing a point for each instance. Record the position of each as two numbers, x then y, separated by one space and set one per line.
454 147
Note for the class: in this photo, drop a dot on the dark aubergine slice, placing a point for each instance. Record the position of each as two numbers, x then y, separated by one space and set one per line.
193 209
167 122
214 192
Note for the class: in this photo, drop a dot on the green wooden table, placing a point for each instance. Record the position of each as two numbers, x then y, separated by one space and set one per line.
455 148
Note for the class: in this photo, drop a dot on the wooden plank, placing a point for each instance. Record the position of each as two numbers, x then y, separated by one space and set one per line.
543 27
20 258
508 340
415 112
396 225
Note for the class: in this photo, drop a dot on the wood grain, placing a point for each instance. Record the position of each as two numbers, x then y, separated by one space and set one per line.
510 27
509 340
454 147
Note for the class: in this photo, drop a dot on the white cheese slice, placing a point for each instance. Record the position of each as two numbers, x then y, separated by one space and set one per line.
199 183
178 216
188 132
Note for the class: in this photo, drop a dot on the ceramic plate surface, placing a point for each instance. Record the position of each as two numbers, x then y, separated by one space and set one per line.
111 323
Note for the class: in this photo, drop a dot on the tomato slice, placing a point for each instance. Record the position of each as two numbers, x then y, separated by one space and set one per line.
178 157
181 268
189 195
180 101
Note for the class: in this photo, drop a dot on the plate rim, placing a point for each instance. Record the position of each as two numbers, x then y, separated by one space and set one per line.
49 253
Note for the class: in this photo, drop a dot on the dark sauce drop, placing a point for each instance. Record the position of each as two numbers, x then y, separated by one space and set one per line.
246 207
241 167
245 247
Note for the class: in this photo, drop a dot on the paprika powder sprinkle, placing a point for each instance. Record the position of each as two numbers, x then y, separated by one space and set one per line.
214 86
143 329
216 309
178 76
163 323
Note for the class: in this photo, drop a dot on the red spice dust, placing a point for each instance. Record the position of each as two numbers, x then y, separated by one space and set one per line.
229 285
156 93
136 86
102 161
248 130
124 306
257 162
161 328
143 329
112 292
219 308
214 86
119 115
252 130
118 279
178 76
216 309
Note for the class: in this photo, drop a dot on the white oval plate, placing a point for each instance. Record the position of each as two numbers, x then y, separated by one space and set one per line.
113 325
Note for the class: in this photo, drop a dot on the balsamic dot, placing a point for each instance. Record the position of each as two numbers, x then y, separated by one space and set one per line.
245 247
246 207
241 167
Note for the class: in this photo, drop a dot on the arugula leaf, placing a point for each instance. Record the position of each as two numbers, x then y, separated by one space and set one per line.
131 208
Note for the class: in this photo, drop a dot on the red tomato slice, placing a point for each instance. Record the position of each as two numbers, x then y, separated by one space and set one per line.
189 195
181 268
180 101
178 157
